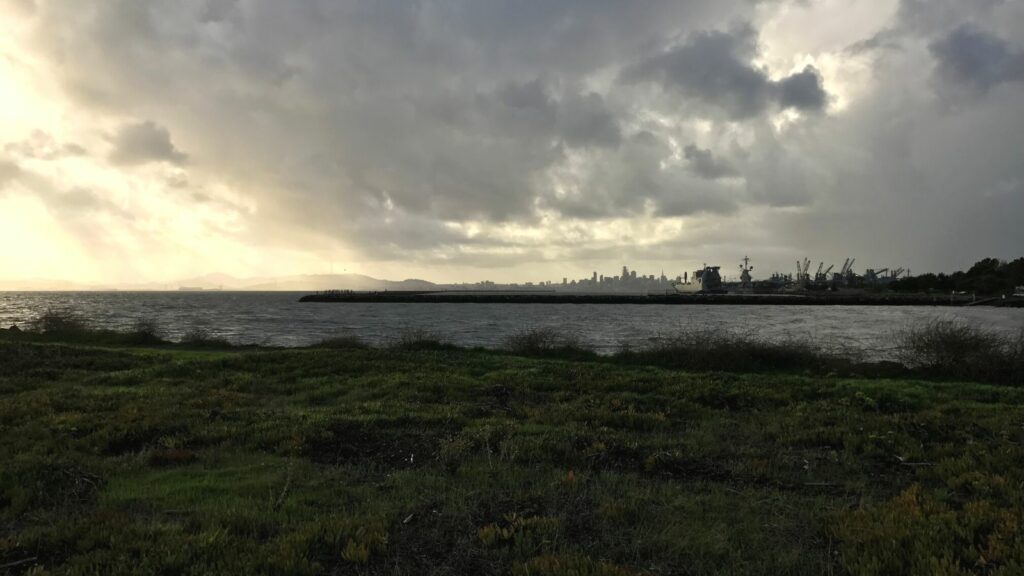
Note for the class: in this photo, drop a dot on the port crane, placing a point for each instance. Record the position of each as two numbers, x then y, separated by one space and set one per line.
802 268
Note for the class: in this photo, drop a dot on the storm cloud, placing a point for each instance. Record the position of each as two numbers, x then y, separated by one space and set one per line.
716 69
981 60
447 133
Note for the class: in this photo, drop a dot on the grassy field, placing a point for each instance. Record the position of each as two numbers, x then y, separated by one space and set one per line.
345 460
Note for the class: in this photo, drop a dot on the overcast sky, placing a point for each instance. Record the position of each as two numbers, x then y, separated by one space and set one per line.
148 140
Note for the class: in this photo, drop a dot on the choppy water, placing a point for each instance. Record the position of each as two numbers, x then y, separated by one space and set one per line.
278 319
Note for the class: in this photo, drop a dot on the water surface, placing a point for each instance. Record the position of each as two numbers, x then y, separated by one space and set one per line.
278 319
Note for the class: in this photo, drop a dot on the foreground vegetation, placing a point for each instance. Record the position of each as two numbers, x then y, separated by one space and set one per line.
198 458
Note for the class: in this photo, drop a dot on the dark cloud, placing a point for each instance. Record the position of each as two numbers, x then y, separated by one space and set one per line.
587 121
144 142
802 91
704 164
638 178
531 111
715 68
972 57
924 17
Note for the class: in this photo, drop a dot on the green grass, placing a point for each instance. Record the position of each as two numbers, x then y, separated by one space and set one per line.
352 460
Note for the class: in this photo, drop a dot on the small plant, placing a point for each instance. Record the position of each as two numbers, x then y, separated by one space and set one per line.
515 526
356 553
363 544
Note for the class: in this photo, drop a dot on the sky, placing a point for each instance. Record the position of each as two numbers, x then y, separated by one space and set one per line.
514 140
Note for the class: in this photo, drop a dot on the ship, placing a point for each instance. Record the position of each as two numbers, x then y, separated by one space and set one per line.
707 280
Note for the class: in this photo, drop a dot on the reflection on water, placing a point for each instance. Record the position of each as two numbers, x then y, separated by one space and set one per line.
278 319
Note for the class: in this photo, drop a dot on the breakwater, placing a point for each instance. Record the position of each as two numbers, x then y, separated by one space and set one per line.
823 298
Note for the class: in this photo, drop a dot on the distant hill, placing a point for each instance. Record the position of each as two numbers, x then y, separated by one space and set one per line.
299 283
313 282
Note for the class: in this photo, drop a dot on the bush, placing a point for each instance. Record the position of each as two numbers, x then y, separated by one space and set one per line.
60 322
145 332
545 342
955 349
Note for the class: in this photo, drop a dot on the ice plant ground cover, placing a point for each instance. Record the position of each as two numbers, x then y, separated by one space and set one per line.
427 459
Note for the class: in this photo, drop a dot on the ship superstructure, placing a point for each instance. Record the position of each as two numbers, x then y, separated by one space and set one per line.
706 280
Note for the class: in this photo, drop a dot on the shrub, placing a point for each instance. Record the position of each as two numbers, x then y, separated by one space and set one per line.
145 332
60 322
955 349
545 342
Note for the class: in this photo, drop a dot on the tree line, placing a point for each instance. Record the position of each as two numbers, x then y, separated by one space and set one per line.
989 277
